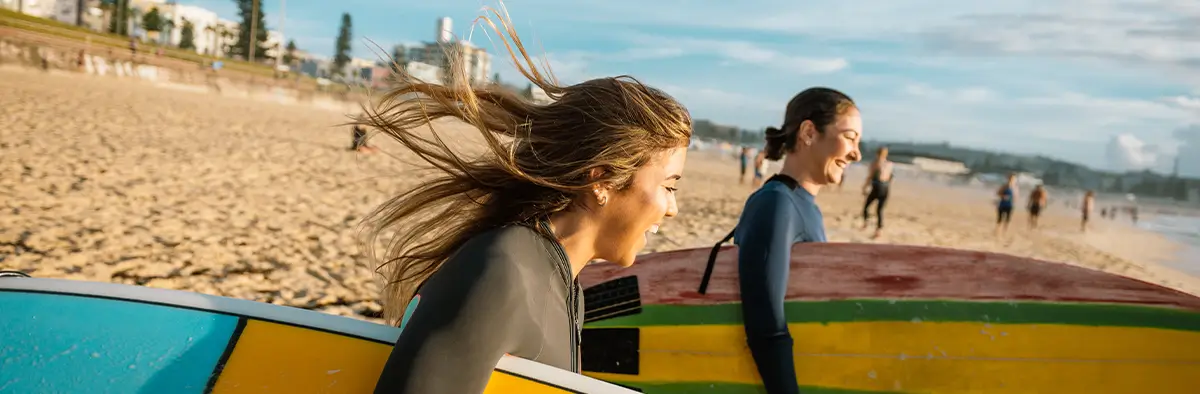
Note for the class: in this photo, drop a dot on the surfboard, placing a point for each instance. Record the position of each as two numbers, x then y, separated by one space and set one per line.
896 319
66 336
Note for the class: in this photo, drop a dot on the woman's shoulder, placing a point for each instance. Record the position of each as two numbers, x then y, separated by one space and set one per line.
774 196
511 240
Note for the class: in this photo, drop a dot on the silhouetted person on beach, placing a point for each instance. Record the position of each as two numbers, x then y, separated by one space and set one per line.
1008 196
1089 200
1038 201
879 181
359 140
744 159
760 167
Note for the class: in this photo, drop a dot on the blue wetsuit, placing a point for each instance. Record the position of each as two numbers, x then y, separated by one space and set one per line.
775 217
1005 208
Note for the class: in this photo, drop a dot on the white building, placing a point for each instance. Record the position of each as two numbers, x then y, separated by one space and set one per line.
204 32
538 95
423 72
65 11
476 61
274 45
940 166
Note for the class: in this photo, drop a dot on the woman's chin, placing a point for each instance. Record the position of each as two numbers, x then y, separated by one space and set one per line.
832 176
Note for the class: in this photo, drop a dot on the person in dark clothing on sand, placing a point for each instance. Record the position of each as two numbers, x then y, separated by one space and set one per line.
359 139
1004 208
744 159
1037 202
879 181
820 137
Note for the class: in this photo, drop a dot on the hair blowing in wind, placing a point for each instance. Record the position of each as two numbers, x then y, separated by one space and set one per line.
538 158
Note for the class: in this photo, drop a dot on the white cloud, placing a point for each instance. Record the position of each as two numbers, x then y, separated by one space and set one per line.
732 51
568 67
1091 109
1188 148
1126 152
1069 126
971 94
1185 102
730 108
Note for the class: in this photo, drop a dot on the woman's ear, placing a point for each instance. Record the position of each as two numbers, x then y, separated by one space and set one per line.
600 190
808 134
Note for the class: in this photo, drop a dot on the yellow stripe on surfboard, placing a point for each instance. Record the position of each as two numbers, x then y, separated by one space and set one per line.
326 363
941 357
343 364
503 383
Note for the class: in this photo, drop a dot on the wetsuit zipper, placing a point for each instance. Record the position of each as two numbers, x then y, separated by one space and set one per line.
572 299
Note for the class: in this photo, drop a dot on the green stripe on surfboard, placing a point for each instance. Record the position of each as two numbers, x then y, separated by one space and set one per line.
731 388
931 311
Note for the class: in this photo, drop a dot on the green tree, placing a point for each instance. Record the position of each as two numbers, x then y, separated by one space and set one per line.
341 48
152 21
118 21
289 54
187 35
253 18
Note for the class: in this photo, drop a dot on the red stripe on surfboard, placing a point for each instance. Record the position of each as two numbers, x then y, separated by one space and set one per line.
840 271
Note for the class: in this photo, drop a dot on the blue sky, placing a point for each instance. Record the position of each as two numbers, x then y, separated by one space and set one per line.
1112 84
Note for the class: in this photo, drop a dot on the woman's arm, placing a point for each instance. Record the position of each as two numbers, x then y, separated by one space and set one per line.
463 324
764 260
870 173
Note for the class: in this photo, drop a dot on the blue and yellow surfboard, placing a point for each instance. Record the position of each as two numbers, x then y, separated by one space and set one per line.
64 336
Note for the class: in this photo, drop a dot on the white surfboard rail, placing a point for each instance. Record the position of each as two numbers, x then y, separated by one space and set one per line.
291 316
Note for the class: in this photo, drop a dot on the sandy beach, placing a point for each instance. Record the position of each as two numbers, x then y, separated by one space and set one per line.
115 180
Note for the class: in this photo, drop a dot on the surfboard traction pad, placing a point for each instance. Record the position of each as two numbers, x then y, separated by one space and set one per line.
77 343
985 346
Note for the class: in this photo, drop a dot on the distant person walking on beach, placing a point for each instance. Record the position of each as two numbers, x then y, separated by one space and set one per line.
760 167
820 136
744 159
1037 201
879 179
359 139
1089 199
1004 208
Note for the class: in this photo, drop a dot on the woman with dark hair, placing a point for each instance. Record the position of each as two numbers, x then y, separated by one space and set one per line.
482 260
819 137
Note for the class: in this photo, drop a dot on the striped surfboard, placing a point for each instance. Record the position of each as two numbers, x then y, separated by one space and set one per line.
894 319
67 336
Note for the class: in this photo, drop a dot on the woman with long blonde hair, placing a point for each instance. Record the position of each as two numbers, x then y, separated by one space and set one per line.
484 257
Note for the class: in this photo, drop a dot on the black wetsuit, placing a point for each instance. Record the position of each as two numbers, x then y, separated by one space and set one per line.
508 290
775 217
359 137
879 194
1035 206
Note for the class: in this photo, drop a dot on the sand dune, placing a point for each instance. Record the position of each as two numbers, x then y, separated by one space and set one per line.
103 179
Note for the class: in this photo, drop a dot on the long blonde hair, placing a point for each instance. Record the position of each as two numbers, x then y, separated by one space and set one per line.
539 158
